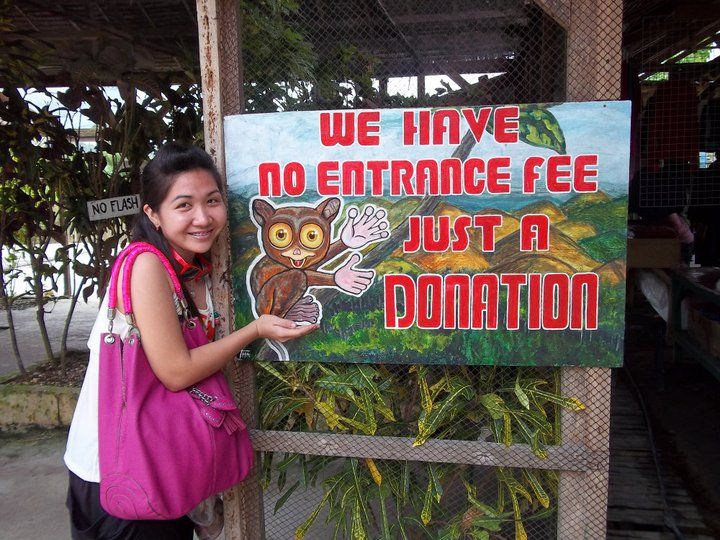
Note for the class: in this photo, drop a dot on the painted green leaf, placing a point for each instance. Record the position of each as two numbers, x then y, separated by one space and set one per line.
538 127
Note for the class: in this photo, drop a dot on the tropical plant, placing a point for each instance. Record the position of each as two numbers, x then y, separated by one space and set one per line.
390 499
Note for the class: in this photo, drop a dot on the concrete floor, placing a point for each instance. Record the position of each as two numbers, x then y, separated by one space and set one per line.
33 485
33 482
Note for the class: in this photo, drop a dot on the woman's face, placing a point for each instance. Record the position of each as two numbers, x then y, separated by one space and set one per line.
192 214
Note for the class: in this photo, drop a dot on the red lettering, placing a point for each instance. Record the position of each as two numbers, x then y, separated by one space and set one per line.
369 132
376 169
462 238
556 173
477 124
294 179
582 173
269 180
530 174
412 244
353 178
391 282
429 297
534 291
456 312
337 128
513 282
556 304
534 232
410 129
431 244
426 173
451 175
584 298
485 301
506 124
401 178
487 224
499 179
473 184
328 181
452 116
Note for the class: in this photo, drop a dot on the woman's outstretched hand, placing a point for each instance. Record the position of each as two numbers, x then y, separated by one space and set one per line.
272 327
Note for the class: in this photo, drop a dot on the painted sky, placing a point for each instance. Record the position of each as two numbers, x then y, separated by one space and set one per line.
589 127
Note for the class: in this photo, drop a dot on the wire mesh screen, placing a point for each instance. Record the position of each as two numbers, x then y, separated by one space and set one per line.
679 126
350 54
352 498
484 442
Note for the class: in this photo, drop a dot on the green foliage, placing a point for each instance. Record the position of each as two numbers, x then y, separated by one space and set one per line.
395 499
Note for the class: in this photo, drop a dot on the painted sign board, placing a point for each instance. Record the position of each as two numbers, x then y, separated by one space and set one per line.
464 235
113 207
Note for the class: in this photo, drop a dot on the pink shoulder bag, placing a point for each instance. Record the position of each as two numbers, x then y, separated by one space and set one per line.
162 452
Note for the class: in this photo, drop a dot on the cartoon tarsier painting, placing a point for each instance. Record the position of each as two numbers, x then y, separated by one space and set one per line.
296 243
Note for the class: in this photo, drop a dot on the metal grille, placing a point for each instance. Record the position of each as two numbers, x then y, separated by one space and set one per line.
679 120
341 452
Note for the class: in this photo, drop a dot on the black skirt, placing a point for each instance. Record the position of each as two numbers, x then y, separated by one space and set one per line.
89 521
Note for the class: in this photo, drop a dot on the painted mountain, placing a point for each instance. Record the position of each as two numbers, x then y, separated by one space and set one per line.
587 234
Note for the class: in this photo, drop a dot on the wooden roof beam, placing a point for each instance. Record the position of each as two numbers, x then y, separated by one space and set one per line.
558 10
458 16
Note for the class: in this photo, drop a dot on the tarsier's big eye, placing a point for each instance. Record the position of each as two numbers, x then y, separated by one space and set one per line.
311 236
280 235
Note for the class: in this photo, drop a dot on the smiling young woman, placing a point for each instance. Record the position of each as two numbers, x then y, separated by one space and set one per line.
183 214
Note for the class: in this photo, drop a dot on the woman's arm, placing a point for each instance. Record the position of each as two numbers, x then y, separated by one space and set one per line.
174 364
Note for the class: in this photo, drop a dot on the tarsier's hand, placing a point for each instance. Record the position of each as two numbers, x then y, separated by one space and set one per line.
364 228
305 310
351 280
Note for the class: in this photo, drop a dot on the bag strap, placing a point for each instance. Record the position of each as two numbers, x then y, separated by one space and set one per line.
127 258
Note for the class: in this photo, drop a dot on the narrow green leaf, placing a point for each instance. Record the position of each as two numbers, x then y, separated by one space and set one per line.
302 529
426 513
425 399
434 476
383 515
521 395
267 366
494 405
507 430
540 493
282 500
357 529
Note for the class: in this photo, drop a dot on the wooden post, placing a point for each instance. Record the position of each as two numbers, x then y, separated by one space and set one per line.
221 71
594 58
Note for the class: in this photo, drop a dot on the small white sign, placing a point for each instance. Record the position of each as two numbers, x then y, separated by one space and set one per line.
114 207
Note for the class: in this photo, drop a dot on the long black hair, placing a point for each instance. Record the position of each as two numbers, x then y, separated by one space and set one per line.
158 177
